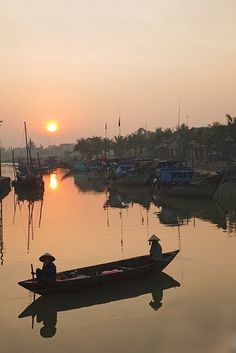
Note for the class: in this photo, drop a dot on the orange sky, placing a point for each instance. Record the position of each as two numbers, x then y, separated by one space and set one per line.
87 62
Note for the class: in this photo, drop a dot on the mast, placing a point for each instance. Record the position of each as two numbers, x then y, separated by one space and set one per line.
26 144
0 160
14 164
1 121
179 113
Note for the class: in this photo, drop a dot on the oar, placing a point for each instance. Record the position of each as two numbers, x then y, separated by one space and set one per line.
32 324
32 271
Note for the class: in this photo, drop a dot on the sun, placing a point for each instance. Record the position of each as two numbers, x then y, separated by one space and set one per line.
52 126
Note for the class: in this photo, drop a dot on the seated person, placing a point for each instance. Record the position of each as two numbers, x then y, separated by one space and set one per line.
48 271
156 249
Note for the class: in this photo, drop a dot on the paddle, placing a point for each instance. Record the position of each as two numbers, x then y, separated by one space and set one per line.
32 271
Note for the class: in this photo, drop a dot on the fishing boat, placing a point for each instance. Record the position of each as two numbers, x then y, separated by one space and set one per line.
28 174
5 182
154 284
90 277
31 194
127 175
177 179
5 186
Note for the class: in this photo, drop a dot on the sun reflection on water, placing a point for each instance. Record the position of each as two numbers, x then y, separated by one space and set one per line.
53 182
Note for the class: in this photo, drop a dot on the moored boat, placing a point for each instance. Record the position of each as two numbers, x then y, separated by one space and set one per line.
136 176
202 188
5 186
90 277
28 175
176 178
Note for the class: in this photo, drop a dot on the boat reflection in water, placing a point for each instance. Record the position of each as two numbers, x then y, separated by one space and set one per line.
124 196
1 234
175 212
228 211
88 182
30 198
45 308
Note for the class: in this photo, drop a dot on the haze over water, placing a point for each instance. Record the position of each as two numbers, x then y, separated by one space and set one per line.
193 310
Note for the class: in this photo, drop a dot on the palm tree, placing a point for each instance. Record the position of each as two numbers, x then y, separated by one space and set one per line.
230 119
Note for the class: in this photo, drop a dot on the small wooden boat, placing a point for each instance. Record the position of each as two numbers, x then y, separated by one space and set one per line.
87 278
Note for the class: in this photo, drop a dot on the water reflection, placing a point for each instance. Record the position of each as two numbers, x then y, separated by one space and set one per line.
53 182
30 199
179 212
3 194
88 182
45 308
228 211
171 211
124 196
1 234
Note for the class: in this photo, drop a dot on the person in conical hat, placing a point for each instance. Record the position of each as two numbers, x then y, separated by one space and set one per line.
154 238
48 271
156 249
47 256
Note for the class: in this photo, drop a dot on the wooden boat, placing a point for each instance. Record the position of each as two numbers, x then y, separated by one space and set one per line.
5 186
86 278
5 182
202 188
176 178
154 284
28 175
32 195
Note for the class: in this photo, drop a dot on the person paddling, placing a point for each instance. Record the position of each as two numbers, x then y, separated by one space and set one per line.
156 249
48 271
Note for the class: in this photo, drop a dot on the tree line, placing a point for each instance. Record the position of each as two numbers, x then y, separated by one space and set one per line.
213 142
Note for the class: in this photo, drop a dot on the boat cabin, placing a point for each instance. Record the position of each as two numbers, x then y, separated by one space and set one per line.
175 172
123 169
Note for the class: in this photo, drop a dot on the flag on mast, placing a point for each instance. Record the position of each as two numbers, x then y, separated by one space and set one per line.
106 129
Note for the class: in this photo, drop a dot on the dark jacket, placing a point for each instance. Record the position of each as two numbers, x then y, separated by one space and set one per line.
49 271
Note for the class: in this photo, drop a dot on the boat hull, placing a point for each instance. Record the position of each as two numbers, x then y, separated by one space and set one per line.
5 187
143 175
196 189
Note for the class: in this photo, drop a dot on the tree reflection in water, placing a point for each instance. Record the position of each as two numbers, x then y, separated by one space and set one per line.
177 212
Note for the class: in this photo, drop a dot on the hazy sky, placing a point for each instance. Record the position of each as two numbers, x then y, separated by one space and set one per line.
85 62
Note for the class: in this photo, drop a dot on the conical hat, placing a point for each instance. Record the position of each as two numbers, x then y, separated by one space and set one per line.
153 238
46 256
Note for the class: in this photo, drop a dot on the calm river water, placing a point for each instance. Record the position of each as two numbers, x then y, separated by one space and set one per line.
191 309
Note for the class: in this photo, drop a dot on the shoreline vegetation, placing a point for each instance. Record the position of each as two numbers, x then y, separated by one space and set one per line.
213 144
